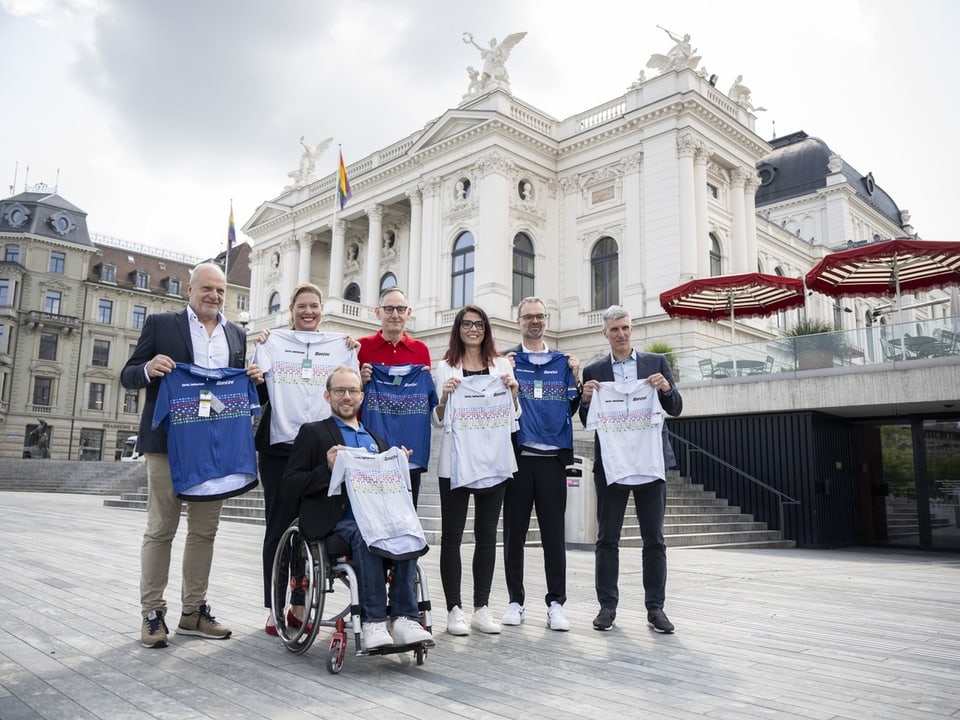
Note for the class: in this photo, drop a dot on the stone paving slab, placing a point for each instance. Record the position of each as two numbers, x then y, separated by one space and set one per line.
843 634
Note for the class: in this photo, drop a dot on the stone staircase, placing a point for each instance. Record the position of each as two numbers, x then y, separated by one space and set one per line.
71 476
694 517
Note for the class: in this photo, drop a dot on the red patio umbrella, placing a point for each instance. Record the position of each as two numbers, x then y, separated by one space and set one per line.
732 296
887 268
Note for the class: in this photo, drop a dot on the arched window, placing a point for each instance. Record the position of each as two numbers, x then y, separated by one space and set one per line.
523 263
716 267
352 293
389 280
604 274
274 305
462 276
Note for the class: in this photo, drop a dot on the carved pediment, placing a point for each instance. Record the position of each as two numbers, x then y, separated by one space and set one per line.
265 213
448 126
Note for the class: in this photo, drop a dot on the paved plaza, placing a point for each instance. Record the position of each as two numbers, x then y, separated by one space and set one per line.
847 634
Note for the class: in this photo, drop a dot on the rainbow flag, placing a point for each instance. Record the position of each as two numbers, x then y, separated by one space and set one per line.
231 231
343 185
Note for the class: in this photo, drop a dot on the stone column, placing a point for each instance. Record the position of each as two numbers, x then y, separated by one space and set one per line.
254 302
288 263
335 285
413 250
750 219
738 251
700 189
306 242
371 279
686 149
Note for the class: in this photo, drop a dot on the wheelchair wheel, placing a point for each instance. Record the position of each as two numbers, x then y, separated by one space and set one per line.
297 569
335 655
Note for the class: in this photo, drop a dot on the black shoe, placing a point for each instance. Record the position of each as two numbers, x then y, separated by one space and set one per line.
657 619
604 619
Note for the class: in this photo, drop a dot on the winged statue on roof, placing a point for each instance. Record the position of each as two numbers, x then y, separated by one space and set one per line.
493 70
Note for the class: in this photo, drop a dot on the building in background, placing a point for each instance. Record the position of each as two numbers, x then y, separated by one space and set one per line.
72 306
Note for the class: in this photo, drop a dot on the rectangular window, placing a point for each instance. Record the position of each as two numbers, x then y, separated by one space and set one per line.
101 353
4 293
712 191
173 286
141 281
108 273
51 302
131 401
97 392
3 342
48 346
105 312
57 261
42 391
130 351
139 316
11 253
243 302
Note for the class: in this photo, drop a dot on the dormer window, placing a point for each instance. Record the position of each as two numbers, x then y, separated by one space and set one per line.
141 280
173 286
108 273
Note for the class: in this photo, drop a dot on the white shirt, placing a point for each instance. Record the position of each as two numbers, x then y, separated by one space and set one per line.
295 365
628 419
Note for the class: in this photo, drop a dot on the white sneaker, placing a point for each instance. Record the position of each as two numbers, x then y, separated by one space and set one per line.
513 615
406 632
457 623
376 635
557 618
483 621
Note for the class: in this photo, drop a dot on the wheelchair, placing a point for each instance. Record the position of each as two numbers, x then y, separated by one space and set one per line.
324 565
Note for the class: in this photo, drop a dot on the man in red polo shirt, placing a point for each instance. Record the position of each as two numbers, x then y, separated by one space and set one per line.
392 346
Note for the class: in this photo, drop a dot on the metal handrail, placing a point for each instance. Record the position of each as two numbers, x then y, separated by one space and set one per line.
691 447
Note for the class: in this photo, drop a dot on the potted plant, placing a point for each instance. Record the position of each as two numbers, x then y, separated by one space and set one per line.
664 348
815 344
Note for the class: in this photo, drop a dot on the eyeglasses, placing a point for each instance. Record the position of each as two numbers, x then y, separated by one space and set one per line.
340 392
469 324
398 309
540 317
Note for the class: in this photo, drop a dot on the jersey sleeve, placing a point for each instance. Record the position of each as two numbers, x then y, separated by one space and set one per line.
338 476
162 408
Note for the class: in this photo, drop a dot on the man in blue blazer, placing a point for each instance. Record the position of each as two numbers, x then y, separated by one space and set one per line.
626 364
200 335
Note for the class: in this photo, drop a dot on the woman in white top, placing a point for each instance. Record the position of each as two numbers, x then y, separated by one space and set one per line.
471 351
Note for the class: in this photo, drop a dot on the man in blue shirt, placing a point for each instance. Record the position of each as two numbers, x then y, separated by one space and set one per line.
308 478
544 448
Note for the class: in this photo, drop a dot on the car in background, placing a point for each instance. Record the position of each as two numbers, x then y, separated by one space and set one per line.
130 452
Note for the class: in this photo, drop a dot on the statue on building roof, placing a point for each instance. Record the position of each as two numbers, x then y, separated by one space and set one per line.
305 174
679 57
493 71
740 94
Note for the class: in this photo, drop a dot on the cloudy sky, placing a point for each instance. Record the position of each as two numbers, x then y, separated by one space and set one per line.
158 113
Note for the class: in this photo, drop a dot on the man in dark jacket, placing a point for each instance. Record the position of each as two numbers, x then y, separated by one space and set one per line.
624 364
308 477
200 335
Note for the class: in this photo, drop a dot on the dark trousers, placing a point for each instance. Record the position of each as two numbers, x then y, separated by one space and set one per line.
278 513
651 500
453 519
541 483
415 475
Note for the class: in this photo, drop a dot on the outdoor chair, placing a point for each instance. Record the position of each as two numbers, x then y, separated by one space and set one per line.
708 372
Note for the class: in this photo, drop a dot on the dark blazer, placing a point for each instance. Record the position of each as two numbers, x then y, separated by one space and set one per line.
647 365
307 477
168 334
565 454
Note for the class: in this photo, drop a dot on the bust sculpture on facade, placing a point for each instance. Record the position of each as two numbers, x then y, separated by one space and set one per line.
493 69
305 174
679 57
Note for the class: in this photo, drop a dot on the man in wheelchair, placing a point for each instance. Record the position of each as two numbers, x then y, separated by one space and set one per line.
308 476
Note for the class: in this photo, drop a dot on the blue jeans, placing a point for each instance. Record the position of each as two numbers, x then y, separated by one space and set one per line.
371 571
